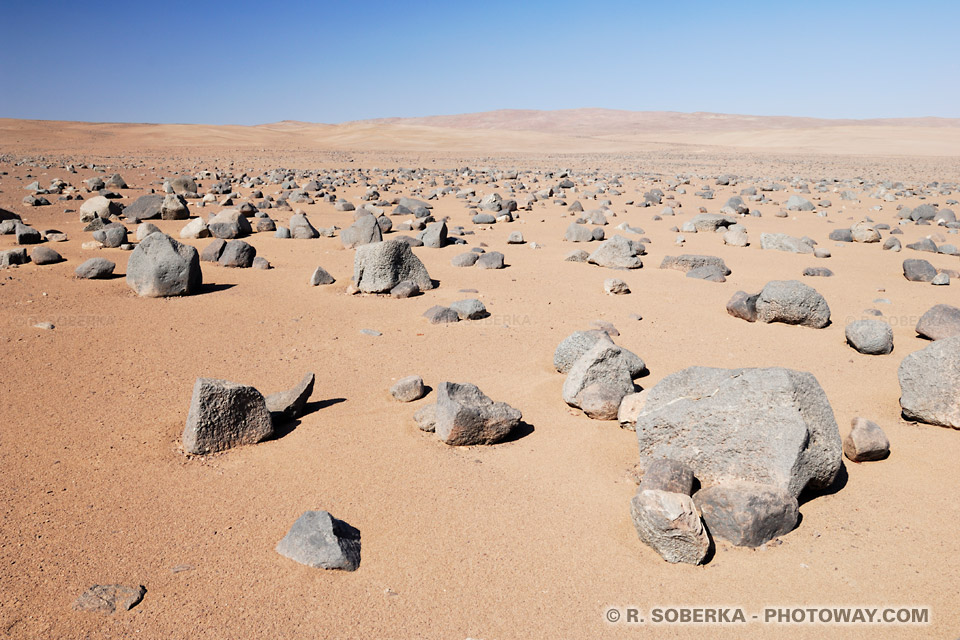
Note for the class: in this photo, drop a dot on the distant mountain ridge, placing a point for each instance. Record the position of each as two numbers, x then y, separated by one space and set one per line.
602 122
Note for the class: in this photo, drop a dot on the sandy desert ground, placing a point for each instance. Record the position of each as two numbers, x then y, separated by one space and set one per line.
530 538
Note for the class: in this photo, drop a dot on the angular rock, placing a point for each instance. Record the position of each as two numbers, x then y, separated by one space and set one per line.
435 235
145 207
301 229
441 315
174 207
426 418
919 271
670 524
381 266
689 262
213 251
578 233
108 598
160 267
470 309
771 425
321 276
112 235
668 475
289 404
98 207
237 254
864 232
465 416
866 441
578 343
615 287
603 376
224 415
194 230
491 260
319 540
27 235
747 514
617 253
365 230
930 384
405 289
744 306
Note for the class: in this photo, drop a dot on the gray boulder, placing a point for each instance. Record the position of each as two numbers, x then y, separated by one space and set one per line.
11 257
465 416
364 230
467 259
578 233
797 203
301 229
44 255
379 267
598 381
111 236
617 253
469 309
747 514
744 306
225 415
792 302
160 267
237 254
319 540
95 269
669 524
321 276
145 207
229 224
435 235
579 342
183 185
939 322
772 426
491 260
174 207
784 242
689 262
930 384
870 337
919 271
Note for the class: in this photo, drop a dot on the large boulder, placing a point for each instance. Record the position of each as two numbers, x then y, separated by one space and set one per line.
466 416
792 302
160 267
174 207
435 235
770 425
364 230
939 322
301 229
224 415
145 207
380 266
930 384
618 253
229 224
670 524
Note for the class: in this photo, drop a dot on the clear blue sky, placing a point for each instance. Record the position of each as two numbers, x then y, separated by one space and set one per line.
250 63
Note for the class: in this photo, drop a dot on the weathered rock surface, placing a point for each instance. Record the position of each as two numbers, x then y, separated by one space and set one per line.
669 524
319 540
224 415
466 416
930 384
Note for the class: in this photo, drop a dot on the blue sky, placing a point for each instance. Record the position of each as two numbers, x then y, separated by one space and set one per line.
250 63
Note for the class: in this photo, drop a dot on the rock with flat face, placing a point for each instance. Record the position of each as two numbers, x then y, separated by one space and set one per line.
689 262
744 306
161 267
289 404
435 235
773 426
321 276
174 207
491 260
930 384
237 254
224 415
183 185
939 322
45 255
408 389
364 230
579 342
319 540
864 232
578 233
747 514
668 475
111 236
98 207
784 242
919 271
229 224
617 253
792 302
380 266
798 203
866 441
301 229
466 416
669 524
601 377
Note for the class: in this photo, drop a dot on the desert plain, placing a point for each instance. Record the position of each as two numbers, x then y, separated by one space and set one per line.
530 537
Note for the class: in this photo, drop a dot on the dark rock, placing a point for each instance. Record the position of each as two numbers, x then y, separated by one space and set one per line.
939 322
918 271
866 441
160 267
319 540
237 253
466 416
224 415
95 268
747 514
289 404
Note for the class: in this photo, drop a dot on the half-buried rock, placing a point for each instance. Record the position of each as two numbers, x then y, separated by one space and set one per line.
773 426
380 266
160 267
746 513
224 415
466 416
670 525
319 540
